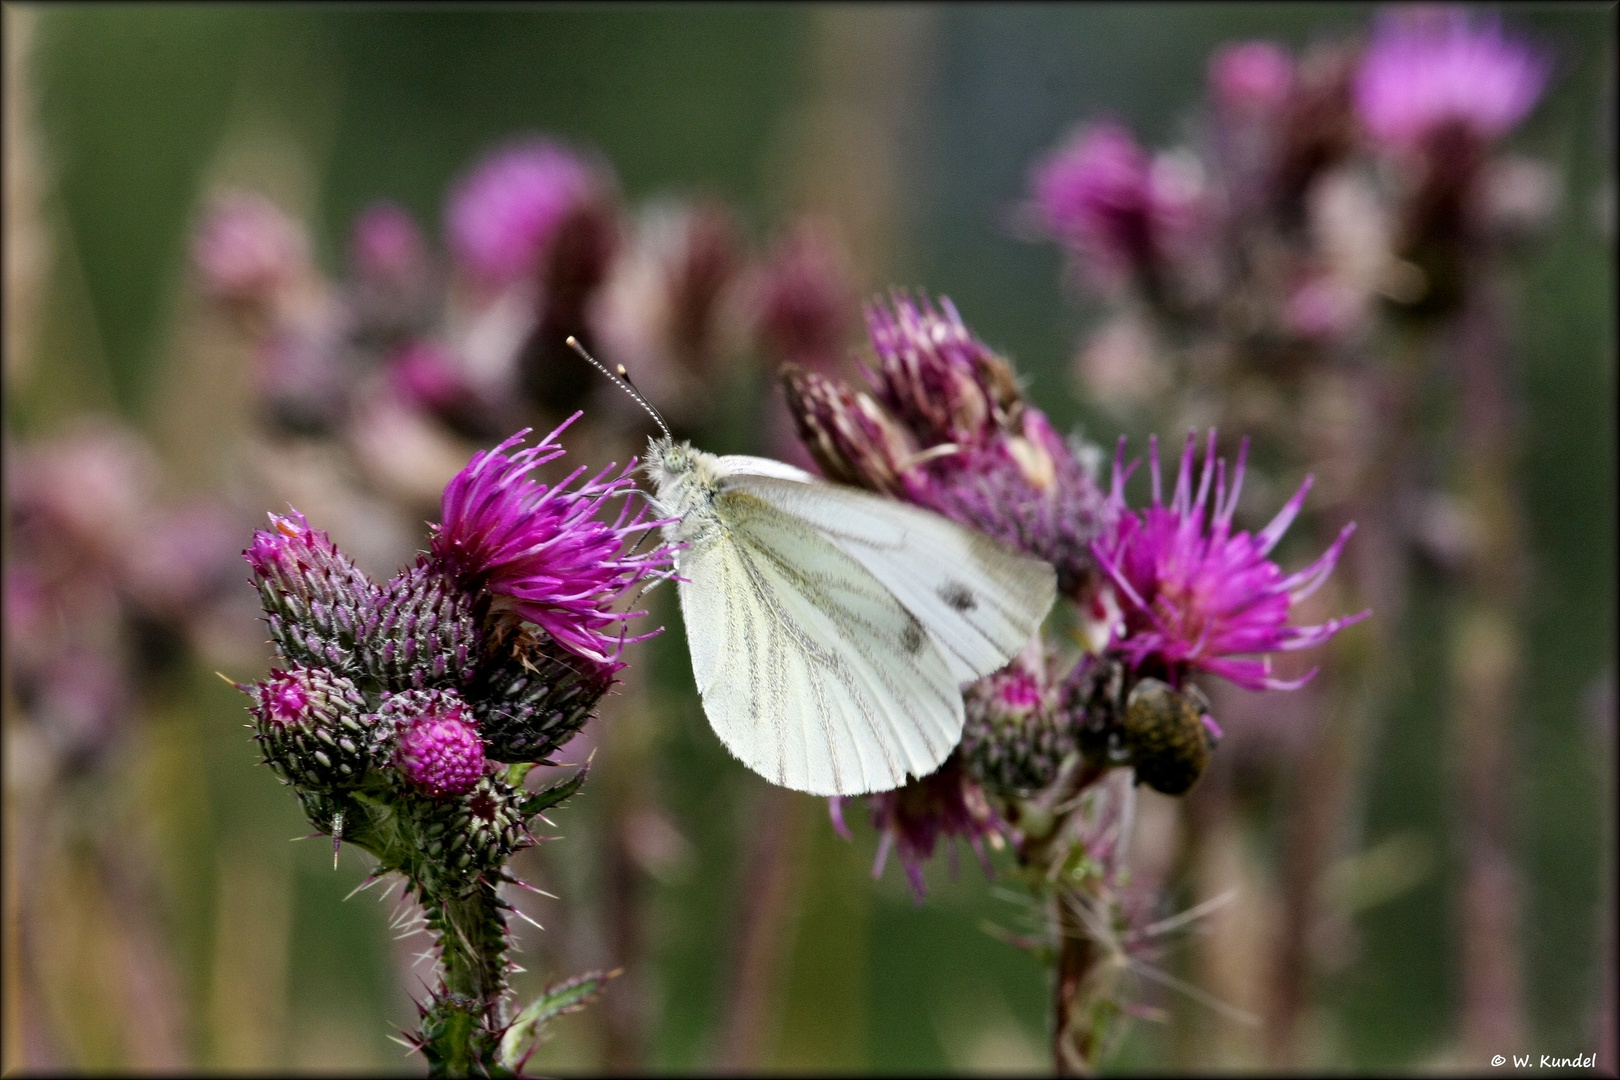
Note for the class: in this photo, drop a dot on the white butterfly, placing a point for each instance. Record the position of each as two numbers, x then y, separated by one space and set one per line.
831 630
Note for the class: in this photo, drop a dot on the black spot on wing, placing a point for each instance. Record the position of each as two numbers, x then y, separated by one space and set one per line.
912 637
958 596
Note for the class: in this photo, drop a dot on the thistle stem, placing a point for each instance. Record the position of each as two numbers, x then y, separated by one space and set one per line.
461 1030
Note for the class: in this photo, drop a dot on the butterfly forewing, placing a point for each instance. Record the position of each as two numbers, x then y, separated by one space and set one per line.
979 601
811 671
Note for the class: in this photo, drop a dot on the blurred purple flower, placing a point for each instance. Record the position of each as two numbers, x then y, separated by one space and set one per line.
910 821
183 558
503 215
248 248
425 374
1430 69
803 298
386 242
1103 197
84 700
542 548
1205 600
1251 76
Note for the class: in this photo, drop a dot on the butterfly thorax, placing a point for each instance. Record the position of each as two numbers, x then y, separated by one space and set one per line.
686 484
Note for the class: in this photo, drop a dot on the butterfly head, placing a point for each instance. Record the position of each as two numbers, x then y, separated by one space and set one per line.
679 476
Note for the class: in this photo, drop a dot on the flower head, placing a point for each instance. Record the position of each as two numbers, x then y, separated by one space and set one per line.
541 549
314 597
248 249
946 427
1196 595
1433 69
312 727
1102 196
438 751
911 820
803 298
1251 76
1015 739
504 214
427 375
284 701
387 243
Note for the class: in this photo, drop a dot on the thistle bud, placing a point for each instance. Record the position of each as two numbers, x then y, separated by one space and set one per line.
436 747
1167 736
936 377
851 437
467 835
422 632
314 597
1012 742
312 727
532 703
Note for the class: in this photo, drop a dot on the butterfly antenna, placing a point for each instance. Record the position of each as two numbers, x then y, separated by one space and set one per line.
622 379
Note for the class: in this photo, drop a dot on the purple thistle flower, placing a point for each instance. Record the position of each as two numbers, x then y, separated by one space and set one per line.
542 549
911 820
803 298
284 700
248 249
387 243
946 427
1427 70
439 752
1103 197
503 215
1015 737
427 375
314 596
1193 598
1251 76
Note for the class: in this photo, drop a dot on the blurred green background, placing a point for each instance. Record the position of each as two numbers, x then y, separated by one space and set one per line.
138 111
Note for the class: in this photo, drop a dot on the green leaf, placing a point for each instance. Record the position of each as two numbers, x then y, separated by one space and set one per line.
517 772
546 798
528 1030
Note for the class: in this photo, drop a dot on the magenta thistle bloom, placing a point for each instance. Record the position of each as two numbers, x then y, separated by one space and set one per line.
284 700
440 753
911 820
988 459
946 427
1105 199
1429 70
542 548
1200 597
504 214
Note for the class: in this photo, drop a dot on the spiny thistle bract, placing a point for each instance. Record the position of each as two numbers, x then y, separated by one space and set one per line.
408 715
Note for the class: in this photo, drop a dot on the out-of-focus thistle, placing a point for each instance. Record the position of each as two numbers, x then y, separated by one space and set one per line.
1157 596
401 699
1434 90
1127 217
1355 200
